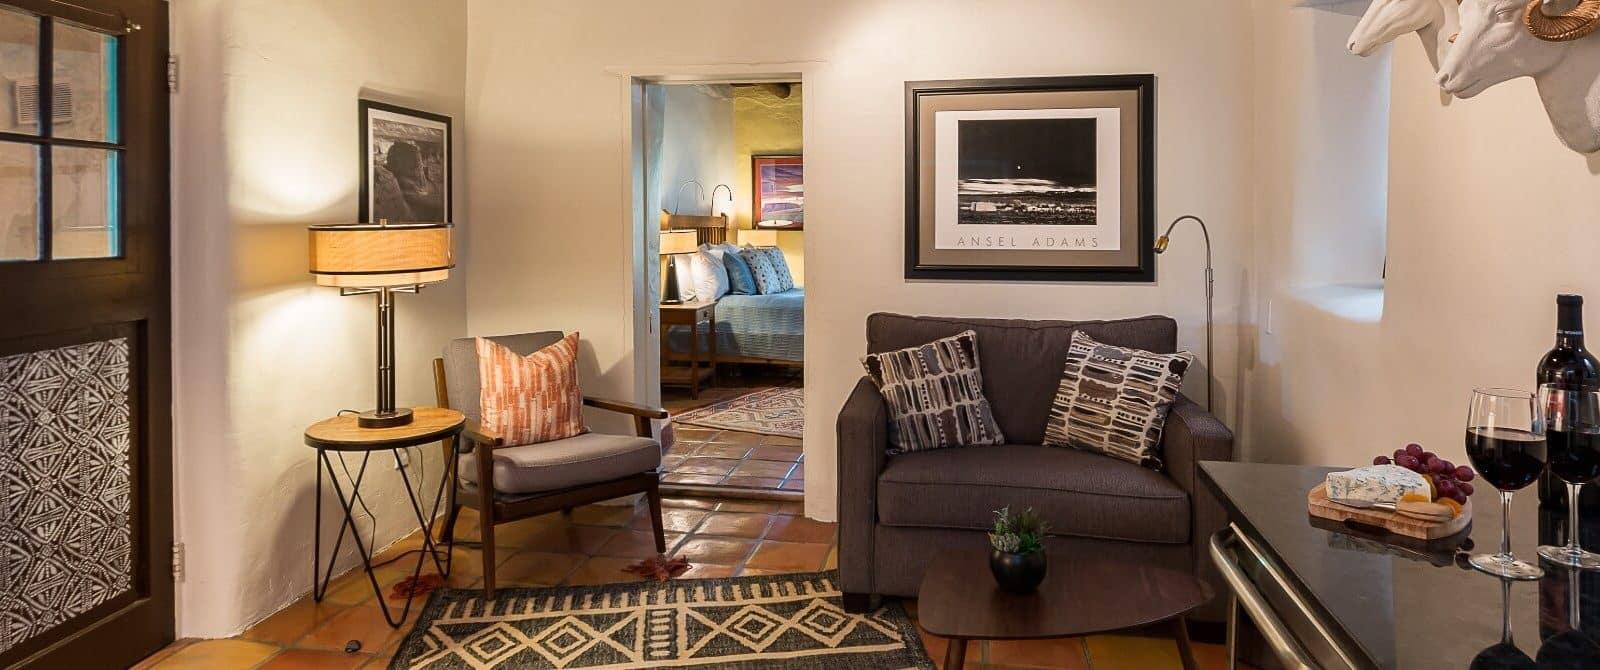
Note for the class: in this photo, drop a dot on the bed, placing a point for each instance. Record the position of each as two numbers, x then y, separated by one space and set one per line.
754 329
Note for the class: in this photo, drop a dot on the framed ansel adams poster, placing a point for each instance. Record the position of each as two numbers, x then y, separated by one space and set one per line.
1035 179
405 164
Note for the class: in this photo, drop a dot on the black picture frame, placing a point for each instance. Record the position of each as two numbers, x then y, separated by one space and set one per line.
365 109
1143 271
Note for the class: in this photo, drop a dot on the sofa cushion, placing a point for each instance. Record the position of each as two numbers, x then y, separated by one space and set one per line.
589 458
934 393
1022 360
1078 493
1114 400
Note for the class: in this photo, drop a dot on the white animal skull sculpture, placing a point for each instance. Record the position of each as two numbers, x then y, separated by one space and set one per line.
1436 22
1502 40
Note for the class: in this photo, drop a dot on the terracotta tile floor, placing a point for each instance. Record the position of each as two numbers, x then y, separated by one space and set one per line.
708 457
723 538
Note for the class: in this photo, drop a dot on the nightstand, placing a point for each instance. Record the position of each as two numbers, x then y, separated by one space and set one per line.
690 314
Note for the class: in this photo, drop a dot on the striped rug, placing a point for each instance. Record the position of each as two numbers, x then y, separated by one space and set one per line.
779 621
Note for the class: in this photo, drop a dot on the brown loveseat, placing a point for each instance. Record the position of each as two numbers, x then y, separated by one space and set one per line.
897 513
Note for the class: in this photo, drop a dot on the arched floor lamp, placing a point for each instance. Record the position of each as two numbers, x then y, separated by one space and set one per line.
1161 247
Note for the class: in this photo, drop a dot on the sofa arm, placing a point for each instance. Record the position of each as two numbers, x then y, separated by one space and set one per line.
1192 435
863 442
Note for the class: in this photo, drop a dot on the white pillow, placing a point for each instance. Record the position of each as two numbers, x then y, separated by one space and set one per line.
686 276
711 278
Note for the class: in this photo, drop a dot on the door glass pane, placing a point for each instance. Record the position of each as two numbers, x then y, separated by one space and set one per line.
19 71
85 208
85 102
19 202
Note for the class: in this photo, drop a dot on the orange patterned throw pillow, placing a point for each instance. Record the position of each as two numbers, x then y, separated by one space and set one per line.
534 398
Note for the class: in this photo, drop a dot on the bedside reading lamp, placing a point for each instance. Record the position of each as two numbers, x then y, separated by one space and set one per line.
675 242
382 259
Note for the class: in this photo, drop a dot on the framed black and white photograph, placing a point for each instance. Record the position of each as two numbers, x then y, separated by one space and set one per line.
1036 179
405 164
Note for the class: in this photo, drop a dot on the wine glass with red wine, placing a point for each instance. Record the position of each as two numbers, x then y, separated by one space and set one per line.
1572 433
1506 443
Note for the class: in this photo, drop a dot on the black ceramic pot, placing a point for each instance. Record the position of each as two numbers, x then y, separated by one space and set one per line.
1017 573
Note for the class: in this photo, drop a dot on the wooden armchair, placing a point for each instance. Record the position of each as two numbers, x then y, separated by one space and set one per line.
510 482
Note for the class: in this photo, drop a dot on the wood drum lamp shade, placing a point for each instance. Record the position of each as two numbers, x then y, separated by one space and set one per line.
382 259
376 255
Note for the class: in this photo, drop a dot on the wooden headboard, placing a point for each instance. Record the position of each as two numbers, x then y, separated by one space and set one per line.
708 229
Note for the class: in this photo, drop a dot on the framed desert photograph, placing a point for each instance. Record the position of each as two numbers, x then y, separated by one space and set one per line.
405 164
779 190
1035 179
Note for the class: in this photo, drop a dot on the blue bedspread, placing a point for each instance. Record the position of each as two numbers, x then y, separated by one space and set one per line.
758 326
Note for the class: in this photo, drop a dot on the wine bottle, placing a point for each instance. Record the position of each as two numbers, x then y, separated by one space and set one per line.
1569 366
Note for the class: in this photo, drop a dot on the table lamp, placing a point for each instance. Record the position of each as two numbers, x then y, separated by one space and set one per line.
675 242
382 259
759 237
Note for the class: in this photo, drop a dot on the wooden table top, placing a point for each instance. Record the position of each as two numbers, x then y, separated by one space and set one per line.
342 433
959 598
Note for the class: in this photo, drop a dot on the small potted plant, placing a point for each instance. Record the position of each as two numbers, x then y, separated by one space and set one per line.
1018 560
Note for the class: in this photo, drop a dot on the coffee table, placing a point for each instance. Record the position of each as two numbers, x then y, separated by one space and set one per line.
959 601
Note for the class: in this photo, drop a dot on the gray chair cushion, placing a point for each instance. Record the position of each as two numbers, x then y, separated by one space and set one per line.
1078 493
462 380
589 458
1022 360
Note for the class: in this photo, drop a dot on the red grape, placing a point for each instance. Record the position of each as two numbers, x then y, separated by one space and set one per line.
1464 473
1415 450
1459 497
1398 453
1447 488
1408 462
1437 466
1464 487
1428 457
1449 467
1381 460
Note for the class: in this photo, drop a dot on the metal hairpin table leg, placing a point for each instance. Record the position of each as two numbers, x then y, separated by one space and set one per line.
347 504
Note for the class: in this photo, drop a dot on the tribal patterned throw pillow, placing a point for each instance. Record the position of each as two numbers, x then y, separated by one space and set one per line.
1114 400
935 395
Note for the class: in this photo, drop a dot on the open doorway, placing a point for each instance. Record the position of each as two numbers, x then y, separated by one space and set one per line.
724 171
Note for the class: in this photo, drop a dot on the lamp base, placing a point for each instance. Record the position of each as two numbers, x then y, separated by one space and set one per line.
377 419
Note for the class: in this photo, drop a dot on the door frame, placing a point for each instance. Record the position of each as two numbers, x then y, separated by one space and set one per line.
644 317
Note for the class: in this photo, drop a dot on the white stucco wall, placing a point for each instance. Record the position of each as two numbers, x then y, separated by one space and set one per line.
265 134
546 104
1489 217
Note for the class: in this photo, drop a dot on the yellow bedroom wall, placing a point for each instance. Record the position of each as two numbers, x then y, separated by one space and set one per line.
765 124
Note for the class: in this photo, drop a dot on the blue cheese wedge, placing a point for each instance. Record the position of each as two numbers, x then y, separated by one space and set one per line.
1376 483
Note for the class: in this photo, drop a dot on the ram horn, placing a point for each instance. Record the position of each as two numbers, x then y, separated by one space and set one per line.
1580 22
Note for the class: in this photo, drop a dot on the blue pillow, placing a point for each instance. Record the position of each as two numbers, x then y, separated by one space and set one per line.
740 278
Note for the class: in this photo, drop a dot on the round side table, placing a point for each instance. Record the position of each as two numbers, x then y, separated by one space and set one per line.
342 434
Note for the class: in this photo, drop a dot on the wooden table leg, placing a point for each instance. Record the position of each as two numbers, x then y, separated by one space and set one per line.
712 324
1180 631
694 359
955 655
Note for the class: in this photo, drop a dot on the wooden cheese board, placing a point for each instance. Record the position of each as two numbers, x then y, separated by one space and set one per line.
1318 504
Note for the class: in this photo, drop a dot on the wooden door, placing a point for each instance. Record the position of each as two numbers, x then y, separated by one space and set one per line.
85 370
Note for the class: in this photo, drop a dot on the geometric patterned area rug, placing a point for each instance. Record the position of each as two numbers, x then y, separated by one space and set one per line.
775 621
774 411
